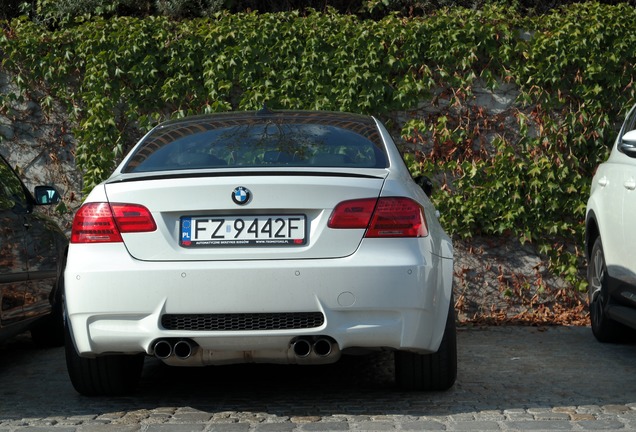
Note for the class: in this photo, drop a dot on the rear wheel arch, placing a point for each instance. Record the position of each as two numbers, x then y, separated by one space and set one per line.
592 232
109 375
431 372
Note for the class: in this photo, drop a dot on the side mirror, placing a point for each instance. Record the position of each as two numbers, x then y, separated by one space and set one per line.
47 195
628 144
425 183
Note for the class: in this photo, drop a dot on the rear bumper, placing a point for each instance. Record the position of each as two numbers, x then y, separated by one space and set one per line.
397 302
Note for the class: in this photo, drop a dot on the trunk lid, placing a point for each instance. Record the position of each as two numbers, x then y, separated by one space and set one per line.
291 202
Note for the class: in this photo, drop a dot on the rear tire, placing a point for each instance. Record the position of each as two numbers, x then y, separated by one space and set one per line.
48 332
603 327
109 375
437 371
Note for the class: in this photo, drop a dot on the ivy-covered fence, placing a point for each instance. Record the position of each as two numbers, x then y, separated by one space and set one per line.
528 176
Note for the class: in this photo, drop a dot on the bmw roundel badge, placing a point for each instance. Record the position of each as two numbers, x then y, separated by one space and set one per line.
241 195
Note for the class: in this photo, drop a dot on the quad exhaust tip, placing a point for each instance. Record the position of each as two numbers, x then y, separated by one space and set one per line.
302 347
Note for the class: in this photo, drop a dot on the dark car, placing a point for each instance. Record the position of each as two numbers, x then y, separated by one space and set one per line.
32 251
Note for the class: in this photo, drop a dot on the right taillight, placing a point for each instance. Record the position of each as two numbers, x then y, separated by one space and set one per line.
103 222
398 217
383 217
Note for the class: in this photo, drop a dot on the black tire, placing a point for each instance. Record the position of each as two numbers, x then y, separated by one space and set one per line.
109 375
603 327
48 332
437 371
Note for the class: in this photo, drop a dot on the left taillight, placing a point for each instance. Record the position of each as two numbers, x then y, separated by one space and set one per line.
104 222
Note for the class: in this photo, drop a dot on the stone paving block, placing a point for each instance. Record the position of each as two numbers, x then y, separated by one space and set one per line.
519 417
582 417
539 425
112 416
474 426
422 426
191 417
463 417
565 409
552 416
373 426
229 427
274 427
490 416
45 429
601 425
590 409
171 427
156 419
305 419
107 428
616 409
539 410
324 426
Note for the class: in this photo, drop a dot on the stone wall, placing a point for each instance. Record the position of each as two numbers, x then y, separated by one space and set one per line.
40 146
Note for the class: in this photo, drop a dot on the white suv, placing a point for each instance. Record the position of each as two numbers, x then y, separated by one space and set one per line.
610 239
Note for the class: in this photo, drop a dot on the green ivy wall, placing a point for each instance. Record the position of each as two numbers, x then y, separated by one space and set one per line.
574 70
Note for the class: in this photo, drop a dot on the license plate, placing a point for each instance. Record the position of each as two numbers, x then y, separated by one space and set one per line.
229 231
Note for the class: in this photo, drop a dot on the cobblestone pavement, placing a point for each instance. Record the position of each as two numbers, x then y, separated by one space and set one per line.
510 378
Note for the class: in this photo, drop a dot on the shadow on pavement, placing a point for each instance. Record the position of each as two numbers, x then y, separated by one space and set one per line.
500 368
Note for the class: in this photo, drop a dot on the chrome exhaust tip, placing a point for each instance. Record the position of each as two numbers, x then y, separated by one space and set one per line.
322 347
301 347
183 349
162 349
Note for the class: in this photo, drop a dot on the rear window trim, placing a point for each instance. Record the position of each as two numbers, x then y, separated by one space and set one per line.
208 123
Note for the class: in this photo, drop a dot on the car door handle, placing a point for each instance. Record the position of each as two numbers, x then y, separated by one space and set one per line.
602 182
630 184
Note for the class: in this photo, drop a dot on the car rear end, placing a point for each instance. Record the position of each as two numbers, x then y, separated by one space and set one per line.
278 254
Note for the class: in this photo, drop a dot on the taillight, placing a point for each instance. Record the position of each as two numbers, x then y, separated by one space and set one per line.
104 223
133 218
398 217
384 217
352 214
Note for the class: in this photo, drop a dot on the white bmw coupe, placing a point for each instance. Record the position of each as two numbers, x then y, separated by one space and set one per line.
272 236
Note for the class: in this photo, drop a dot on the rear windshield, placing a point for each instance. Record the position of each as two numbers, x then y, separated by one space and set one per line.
208 144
